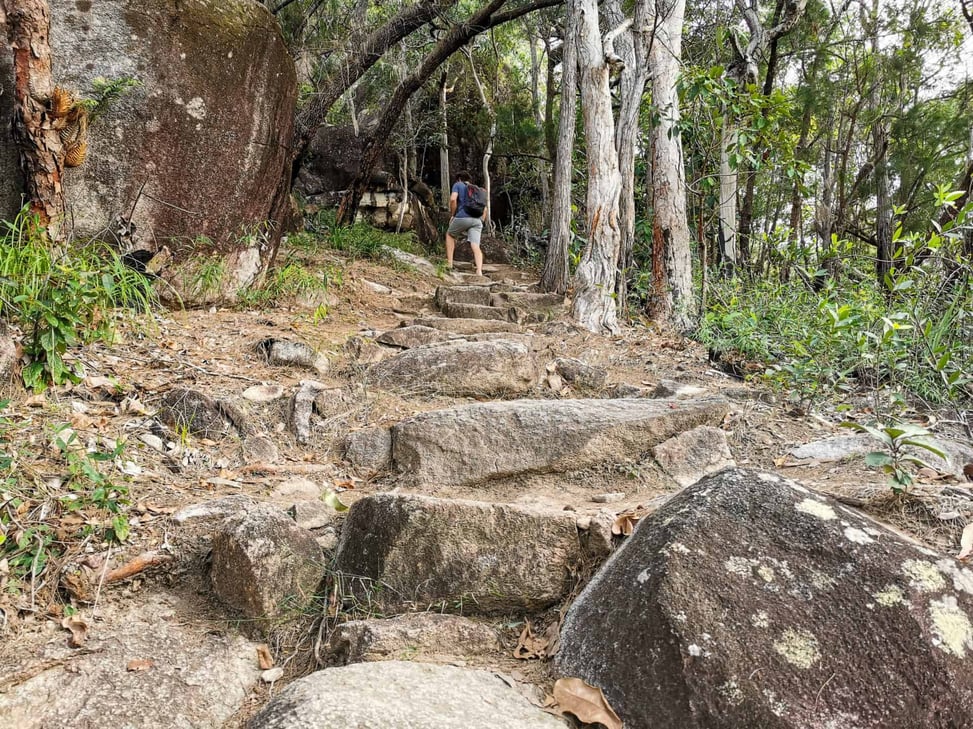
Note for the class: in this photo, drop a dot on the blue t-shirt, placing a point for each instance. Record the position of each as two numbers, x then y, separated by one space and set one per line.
460 188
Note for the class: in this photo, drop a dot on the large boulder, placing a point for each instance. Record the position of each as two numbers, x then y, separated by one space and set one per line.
460 369
459 556
477 443
198 149
751 601
400 695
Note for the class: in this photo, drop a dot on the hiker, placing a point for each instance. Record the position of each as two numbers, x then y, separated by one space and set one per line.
467 204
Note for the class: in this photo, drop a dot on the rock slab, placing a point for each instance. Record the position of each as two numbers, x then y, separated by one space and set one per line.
150 665
477 443
459 369
459 556
751 601
419 636
400 695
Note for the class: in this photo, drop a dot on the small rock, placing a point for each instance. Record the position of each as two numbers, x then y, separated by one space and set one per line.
153 441
609 498
369 448
263 564
272 674
691 455
297 489
302 407
365 351
377 287
673 389
264 393
260 448
312 514
555 382
412 637
192 412
297 354
624 390
580 374
219 508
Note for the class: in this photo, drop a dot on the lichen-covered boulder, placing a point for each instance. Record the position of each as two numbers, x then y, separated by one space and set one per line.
198 149
751 601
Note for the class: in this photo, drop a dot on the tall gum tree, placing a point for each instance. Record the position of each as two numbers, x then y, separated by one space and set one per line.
594 305
555 274
672 299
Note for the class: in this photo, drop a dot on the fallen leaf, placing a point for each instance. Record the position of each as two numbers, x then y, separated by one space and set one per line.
624 523
968 471
948 515
140 664
966 542
264 659
332 500
530 646
586 702
78 628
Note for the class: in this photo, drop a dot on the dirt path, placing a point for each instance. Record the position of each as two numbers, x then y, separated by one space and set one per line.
215 352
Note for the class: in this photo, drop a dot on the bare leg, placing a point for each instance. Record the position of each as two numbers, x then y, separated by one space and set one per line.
478 258
450 247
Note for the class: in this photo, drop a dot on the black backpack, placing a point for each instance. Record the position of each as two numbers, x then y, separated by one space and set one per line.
476 200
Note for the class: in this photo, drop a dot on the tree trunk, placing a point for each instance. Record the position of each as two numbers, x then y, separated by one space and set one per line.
444 176
594 300
631 48
488 152
554 277
672 282
537 106
34 128
728 196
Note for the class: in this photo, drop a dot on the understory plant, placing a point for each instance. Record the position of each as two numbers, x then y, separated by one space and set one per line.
899 442
60 297
824 333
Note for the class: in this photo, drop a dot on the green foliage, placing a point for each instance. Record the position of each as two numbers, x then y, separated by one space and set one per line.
895 438
40 522
822 335
105 92
60 299
361 240
289 280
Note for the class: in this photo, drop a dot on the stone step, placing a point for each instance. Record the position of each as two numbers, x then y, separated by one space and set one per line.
467 326
458 556
403 695
474 444
479 295
478 311
526 300
462 369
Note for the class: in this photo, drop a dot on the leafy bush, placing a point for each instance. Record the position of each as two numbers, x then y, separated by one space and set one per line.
912 336
41 522
360 240
61 298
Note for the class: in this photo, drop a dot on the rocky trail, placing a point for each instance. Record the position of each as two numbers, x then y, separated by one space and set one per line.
493 457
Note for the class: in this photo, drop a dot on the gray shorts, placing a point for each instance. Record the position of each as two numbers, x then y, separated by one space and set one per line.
468 227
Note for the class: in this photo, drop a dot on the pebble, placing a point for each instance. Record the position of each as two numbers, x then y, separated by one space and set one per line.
263 393
608 498
153 441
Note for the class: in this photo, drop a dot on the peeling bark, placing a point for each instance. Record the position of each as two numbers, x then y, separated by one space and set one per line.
595 306
41 149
